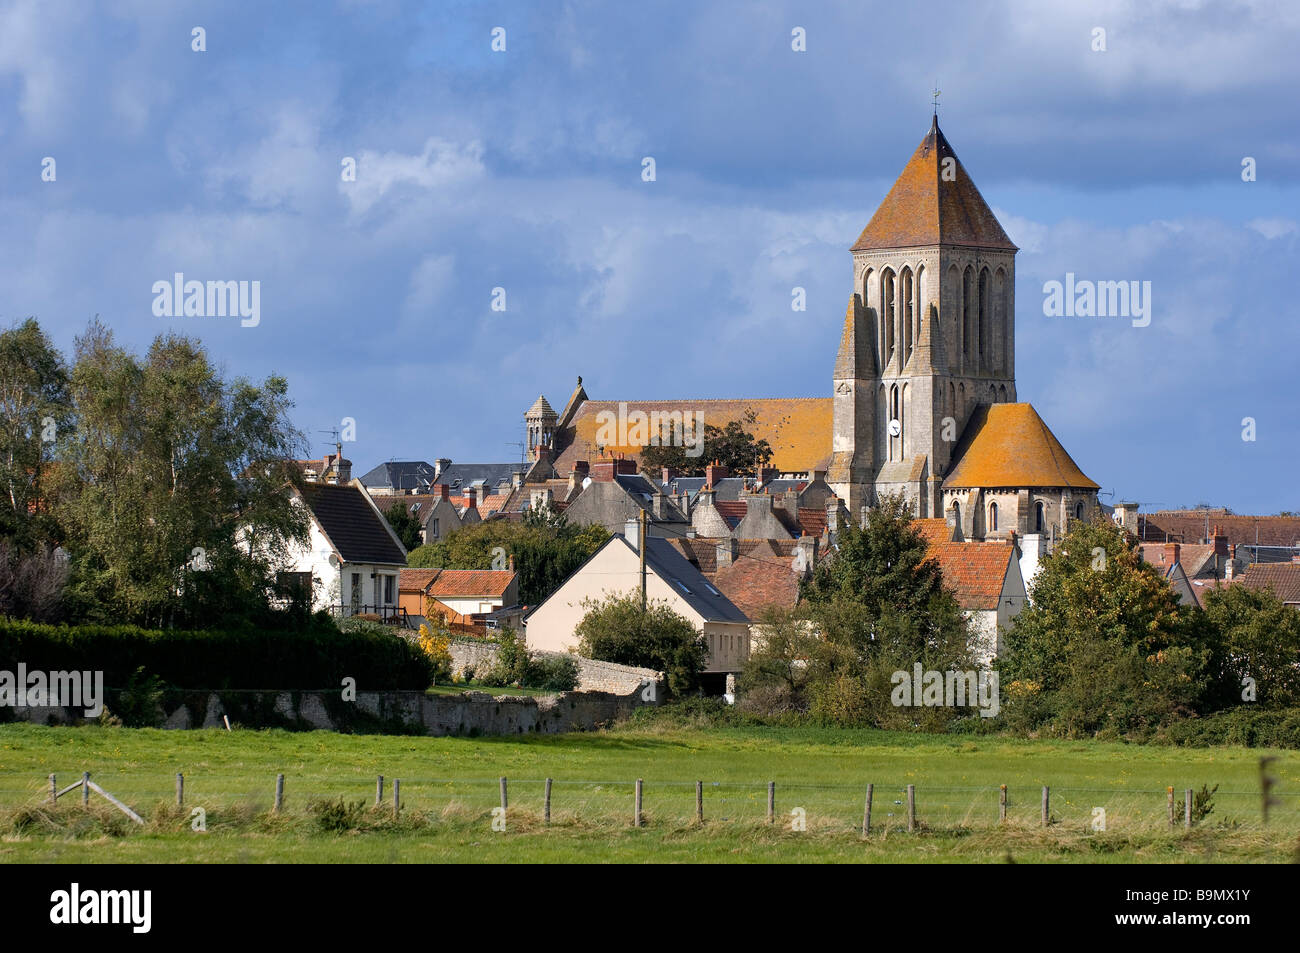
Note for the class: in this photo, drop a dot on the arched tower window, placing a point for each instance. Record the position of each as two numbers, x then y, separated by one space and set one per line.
1040 518
993 517
1078 510
909 313
967 319
983 331
887 312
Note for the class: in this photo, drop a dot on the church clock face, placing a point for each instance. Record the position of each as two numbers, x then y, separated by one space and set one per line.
895 427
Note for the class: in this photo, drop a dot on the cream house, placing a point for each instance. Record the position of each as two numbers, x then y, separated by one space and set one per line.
615 569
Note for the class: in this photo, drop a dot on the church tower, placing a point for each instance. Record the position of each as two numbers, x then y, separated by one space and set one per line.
929 335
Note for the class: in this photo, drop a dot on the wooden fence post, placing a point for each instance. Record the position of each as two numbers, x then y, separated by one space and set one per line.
279 792
636 821
1187 808
866 811
546 808
1002 804
180 789
379 790
397 796
771 802
504 802
54 789
699 802
911 807
1047 808
85 789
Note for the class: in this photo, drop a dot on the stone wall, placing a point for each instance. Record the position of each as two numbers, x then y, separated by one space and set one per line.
593 675
417 713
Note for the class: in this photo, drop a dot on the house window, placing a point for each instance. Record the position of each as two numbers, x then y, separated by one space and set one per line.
388 590
294 585
993 517
355 595
433 528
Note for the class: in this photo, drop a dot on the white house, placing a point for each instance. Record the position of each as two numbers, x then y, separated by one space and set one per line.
353 561
615 569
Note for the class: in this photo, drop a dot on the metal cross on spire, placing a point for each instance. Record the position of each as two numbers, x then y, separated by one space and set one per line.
936 97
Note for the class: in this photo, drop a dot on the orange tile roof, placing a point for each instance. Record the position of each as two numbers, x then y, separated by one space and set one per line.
416 580
1008 445
934 530
453 583
798 428
925 207
974 571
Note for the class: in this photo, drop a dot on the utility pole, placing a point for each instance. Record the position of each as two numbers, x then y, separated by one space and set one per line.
640 547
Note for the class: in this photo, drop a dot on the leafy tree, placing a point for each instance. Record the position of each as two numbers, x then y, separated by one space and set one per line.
881 606
172 485
776 675
404 524
1254 634
733 446
34 415
545 547
616 629
1103 642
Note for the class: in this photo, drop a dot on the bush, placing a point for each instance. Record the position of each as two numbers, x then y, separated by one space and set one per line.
515 665
555 673
1244 726
616 629
317 658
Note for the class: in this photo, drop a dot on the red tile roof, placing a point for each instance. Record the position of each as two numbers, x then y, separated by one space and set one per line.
976 572
456 583
1188 526
1282 578
755 584
934 530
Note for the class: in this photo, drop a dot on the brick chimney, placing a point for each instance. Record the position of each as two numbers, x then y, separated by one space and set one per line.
767 474
602 471
1230 568
806 546
440 465
714 472
543 452
670 474
470 498
442 491
1220 543
1172 552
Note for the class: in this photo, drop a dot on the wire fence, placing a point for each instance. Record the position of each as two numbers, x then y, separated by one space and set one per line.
790 804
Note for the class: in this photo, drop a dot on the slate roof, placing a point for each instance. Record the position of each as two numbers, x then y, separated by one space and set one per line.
400 475
1008 445
357 532
458 476
687 581
1282 578
925 207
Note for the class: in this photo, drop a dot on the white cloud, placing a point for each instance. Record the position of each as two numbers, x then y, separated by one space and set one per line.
439 165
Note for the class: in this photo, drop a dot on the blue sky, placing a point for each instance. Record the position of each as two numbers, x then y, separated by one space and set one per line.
521 169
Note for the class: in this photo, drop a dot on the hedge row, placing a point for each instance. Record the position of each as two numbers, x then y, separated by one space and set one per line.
285 660
1246 726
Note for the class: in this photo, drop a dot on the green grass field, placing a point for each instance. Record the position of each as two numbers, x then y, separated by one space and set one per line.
449 787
